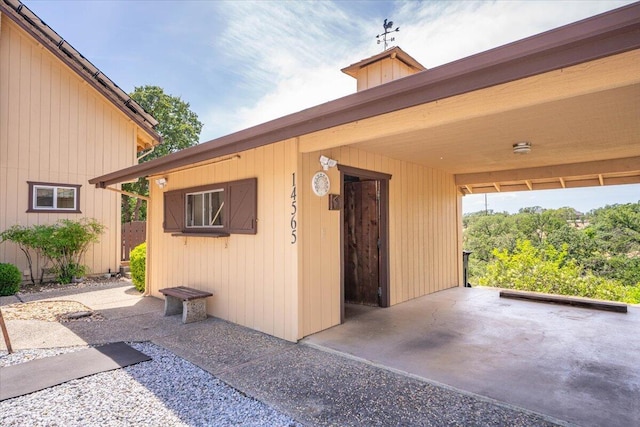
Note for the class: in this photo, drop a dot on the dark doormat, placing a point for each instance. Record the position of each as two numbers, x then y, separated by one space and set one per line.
39 374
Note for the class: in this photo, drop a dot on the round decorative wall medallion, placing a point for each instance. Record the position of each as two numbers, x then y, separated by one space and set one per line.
320 183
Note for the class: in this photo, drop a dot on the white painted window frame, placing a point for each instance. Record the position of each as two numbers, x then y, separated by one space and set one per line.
217 214
55 189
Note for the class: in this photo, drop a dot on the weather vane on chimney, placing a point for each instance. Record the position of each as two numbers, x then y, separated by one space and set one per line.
387 30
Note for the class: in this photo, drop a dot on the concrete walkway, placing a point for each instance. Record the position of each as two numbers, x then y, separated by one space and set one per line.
329 386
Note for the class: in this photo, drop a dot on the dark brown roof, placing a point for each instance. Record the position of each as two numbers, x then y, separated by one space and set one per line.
603 35
45 35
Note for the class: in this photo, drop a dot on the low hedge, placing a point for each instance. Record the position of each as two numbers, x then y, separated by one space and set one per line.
137 264
10 279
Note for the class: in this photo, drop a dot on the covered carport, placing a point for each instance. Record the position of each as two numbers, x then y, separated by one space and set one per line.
557 110
564 114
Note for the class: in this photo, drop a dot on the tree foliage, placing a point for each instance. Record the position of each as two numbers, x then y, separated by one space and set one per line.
602 245
617 228
550 270
179 128
483 233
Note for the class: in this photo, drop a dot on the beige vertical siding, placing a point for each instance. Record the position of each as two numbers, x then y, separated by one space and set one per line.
56 128
254 278
321 252
264 281
423 236
382 71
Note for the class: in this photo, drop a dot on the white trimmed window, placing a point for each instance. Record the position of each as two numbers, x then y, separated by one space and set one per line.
49 197
216 210
205 209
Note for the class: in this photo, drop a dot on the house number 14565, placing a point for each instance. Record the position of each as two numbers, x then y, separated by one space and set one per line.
294 209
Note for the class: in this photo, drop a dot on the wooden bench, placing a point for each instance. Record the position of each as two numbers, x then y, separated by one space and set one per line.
188 301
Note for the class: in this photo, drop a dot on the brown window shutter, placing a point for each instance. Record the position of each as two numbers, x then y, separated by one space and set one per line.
173 211
242 199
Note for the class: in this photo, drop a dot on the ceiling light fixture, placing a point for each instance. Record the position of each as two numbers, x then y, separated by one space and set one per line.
522 147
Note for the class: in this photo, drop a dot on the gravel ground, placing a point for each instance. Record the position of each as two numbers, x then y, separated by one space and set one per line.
48 311
166 391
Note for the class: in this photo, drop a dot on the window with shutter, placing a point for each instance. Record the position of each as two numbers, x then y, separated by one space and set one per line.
173 211
242 206
214 209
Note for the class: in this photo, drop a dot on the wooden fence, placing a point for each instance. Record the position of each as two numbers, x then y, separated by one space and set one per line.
133 233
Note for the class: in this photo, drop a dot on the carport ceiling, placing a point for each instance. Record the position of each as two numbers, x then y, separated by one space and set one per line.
580 121
603 125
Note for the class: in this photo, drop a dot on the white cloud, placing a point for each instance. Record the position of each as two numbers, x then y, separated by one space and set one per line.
271 41
291 94
297 93
438 33
290 53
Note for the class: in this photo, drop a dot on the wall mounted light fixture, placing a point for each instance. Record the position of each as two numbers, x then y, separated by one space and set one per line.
161 182
327 163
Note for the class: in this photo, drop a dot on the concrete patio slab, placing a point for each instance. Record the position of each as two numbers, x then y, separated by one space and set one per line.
574 364
25 334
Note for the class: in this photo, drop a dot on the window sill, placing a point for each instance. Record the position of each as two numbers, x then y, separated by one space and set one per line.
58 211
200 234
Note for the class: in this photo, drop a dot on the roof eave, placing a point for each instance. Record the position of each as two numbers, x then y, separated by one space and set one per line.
610 33
42 33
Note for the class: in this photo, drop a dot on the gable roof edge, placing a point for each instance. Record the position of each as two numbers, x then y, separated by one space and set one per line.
21 15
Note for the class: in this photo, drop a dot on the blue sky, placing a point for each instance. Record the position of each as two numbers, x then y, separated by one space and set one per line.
241 63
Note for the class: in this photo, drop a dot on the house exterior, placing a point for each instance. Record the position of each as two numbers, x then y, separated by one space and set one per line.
61 122
359 200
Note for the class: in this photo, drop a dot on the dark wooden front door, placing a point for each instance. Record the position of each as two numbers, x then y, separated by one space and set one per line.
361 242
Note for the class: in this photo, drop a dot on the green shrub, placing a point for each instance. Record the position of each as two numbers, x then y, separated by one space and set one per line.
30 241
68 242
137 263
549 270
62 244
10 279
